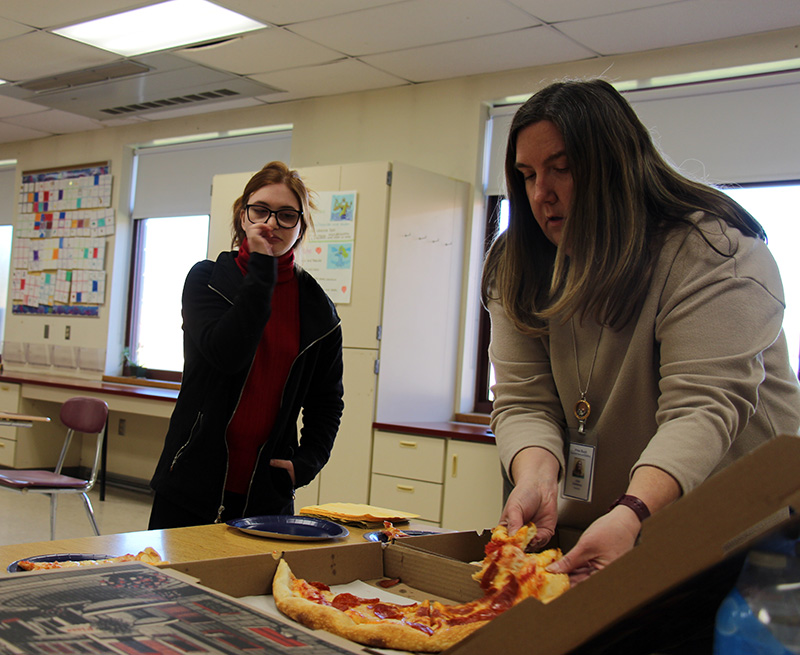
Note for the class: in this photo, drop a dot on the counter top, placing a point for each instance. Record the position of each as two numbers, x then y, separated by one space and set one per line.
132 390
441 429
176 545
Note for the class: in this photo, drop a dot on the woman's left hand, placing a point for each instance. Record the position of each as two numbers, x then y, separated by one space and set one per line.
609 537
284 464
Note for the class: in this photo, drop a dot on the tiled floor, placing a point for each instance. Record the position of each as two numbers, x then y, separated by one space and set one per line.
26 517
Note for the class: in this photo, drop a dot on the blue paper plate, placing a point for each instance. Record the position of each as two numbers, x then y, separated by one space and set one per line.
296 528
58 557
377 535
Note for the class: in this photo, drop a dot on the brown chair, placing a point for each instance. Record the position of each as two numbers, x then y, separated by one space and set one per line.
79 414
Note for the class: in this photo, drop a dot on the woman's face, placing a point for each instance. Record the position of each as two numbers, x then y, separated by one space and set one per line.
269 237
542 160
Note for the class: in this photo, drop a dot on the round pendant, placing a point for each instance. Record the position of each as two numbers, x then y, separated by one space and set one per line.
582 410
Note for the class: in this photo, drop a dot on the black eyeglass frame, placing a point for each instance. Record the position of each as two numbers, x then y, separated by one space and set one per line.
276 213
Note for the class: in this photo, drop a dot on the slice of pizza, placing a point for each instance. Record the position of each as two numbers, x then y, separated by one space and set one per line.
427 627
509 570
507 576
148 555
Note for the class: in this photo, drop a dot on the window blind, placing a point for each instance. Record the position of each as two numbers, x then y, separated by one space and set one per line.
725 131
176 180
9 193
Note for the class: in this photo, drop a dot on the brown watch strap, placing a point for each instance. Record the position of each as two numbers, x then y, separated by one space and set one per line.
634 503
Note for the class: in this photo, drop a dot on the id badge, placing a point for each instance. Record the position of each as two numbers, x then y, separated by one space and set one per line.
579 473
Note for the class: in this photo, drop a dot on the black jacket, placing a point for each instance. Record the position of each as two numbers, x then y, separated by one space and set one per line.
224 315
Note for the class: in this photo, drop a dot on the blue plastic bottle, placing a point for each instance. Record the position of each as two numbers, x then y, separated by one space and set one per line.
761 615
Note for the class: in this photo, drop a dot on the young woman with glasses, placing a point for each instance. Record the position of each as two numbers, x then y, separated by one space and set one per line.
262 341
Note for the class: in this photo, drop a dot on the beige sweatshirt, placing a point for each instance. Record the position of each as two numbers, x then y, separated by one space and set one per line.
700 378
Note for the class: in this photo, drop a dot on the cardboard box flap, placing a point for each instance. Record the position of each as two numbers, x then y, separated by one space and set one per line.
336 565
722 516
462 546
431 573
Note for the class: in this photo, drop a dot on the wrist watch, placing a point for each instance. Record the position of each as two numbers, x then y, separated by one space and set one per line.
636 504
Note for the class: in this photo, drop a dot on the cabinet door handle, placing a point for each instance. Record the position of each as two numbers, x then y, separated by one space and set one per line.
454 467
408 444
405 487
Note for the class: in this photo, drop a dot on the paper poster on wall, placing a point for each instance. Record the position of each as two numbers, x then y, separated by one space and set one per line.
58 256
328 251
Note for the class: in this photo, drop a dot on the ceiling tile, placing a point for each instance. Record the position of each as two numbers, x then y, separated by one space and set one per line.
680 23
55 121
412 24
552 12
263 52
284 12
340 77
39 54
46 13
542 45
9 133
9 29
15 107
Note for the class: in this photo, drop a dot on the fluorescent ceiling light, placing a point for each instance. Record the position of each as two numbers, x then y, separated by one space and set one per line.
159 27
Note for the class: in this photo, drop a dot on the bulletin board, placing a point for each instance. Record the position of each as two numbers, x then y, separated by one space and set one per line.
64 220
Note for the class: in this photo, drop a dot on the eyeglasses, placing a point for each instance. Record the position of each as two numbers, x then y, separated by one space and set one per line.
287 218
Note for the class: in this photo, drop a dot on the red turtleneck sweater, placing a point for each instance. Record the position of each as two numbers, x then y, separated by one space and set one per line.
258 407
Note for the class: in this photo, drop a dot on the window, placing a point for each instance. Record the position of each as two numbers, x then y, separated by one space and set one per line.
5 266
173 217
775 207
164 251
496 222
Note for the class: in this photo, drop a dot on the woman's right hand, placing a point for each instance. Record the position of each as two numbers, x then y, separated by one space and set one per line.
258 235
534 472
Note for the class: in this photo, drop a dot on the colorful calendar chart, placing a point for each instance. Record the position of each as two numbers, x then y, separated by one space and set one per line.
58 256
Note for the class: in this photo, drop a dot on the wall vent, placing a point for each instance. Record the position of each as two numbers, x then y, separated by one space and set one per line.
74 79
169 102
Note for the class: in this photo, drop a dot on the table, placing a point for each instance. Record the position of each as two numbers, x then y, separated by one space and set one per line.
13 420
134 397
203 542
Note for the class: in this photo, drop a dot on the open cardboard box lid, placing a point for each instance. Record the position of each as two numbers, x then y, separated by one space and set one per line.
719 519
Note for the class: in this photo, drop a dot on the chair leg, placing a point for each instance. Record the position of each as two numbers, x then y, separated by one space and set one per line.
53 507
90 513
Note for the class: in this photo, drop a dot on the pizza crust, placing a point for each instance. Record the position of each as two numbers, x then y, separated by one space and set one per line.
148 555
380 635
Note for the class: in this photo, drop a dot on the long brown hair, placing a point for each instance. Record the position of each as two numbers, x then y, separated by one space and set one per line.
626 197
276 172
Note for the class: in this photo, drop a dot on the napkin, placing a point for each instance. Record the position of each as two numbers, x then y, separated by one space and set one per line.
366 516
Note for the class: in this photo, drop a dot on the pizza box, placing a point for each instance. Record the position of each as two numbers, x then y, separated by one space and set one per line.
686 560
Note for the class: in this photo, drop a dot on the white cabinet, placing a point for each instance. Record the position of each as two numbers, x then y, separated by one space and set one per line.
453 483
473 486
401 326
9 402
407 474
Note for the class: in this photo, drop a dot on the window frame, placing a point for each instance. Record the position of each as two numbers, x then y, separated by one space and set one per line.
481 402
133 310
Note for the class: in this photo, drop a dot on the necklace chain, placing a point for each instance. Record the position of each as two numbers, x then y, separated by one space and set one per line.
582 407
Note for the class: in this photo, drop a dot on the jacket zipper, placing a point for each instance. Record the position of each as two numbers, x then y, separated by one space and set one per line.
221 508
187 442
283 394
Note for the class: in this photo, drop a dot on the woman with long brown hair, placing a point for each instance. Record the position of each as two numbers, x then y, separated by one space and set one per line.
636 326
